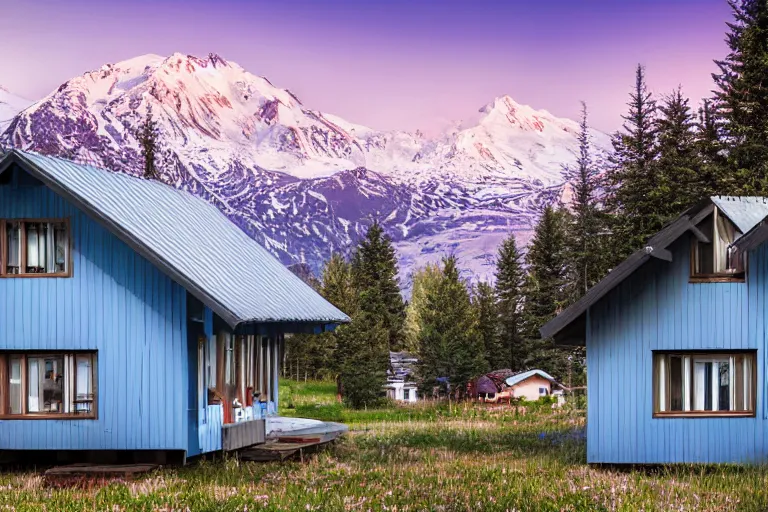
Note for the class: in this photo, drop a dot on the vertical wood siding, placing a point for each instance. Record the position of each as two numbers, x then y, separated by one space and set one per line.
116 303
658 309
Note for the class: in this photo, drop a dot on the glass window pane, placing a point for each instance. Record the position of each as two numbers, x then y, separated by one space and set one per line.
15 385
13 247
37 239
675 383
83 383
705 262
61 248
722 370
45 380
702 387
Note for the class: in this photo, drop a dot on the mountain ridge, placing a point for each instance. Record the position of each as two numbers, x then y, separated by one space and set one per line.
303 182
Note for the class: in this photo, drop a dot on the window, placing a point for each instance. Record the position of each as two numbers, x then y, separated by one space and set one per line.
716 259
543 392
406 394
48 385
35 248
704 384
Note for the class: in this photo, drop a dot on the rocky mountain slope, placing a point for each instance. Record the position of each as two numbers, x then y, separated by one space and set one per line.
307 183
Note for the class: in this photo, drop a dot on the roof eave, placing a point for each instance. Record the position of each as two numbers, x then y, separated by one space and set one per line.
656 247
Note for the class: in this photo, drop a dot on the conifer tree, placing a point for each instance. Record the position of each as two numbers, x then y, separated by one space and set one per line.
337 284
424 280
363 360
449 345
742 95
374 274
509 282
679 179
545 290
487 314
709 147
586 254
147 137
632 179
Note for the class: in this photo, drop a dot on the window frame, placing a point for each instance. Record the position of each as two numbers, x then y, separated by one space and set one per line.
728 277
6 355
703 354
23 241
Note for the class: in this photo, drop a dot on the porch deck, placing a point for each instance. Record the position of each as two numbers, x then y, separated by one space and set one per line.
290 436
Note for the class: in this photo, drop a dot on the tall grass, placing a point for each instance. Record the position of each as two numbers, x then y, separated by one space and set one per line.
420 457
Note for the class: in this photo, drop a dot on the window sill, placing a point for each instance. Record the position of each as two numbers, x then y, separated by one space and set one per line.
47 417
24 276
705 414
717 279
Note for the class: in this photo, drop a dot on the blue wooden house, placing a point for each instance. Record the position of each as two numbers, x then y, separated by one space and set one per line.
676 339
135 317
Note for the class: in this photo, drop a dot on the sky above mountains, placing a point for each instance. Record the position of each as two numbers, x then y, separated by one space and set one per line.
389 65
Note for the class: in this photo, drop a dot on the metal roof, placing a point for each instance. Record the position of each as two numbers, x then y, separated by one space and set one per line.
744 211
520 377
187 238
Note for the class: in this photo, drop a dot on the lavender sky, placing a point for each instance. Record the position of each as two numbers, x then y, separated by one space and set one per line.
388 64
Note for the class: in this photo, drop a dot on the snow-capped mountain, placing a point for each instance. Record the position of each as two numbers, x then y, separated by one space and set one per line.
307 183
10 105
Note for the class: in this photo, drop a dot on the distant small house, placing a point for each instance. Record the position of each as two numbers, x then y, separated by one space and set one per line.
400 382
503 385
535 384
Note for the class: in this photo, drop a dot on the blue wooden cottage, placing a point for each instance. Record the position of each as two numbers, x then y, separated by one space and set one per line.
676 339
135 317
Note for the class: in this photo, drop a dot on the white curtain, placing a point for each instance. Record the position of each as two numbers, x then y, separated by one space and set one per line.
14 245
726 235
33 384
699 379
15 391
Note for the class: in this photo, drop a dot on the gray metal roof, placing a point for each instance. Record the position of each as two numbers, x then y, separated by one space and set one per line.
744 211
520 377
187 238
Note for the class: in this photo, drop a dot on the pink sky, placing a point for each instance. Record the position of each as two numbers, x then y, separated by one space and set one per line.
388 65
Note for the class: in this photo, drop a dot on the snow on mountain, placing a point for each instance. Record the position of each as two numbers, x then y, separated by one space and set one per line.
10 105
307 183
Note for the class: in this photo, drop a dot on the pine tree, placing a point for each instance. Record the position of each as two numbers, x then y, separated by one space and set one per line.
632 180
709 147
742 97
586 254
364 359
424 280
509 282
148 145
487 315
679 178
337 285
545 290
374 274
449 345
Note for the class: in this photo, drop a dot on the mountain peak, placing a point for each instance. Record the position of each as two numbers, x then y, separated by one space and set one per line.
506 110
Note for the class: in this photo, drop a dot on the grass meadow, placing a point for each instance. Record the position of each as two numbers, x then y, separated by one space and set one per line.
421 457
